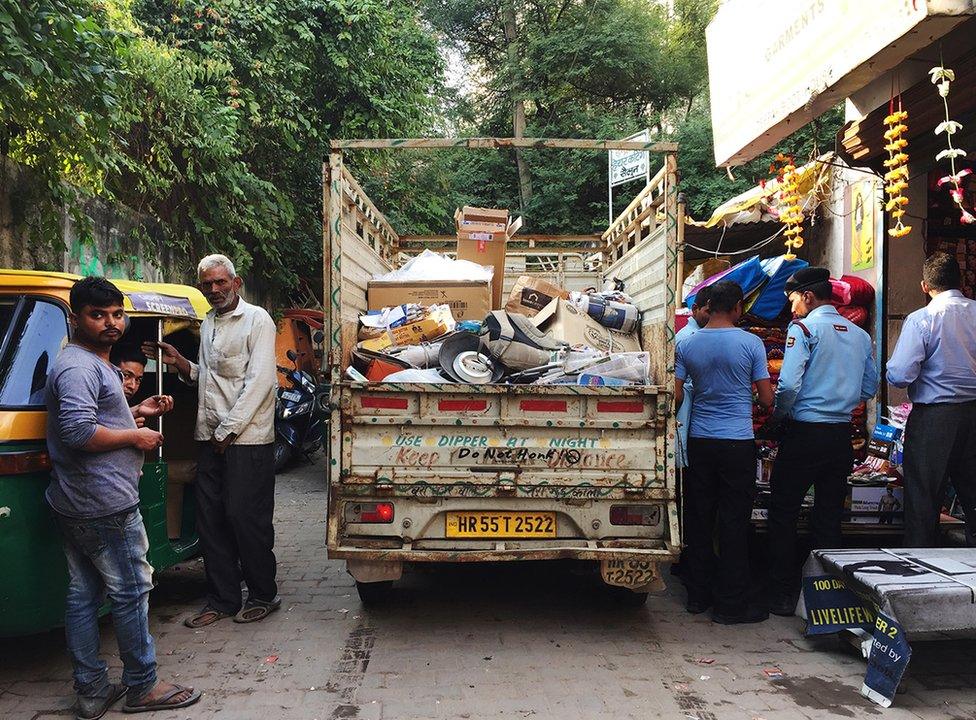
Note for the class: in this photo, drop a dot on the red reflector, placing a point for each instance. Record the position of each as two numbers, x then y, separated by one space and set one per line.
619 407
21 463
385 403
462 405
543 405
376 513
631 515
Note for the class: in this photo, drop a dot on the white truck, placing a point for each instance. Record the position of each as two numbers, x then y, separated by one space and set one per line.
493 473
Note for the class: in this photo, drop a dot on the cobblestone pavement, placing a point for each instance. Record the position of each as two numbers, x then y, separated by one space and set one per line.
525 641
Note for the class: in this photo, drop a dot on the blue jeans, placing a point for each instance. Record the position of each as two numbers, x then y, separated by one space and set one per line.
107 558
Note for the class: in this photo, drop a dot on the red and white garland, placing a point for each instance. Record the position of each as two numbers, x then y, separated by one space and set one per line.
941 78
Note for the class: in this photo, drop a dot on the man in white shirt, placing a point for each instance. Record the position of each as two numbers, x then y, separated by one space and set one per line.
235 434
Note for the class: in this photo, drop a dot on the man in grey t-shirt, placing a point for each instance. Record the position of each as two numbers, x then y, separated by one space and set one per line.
96 455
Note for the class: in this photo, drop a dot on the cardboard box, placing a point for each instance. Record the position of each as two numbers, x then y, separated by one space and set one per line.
565 321
492 254
531 295
413 334
481 220
468 299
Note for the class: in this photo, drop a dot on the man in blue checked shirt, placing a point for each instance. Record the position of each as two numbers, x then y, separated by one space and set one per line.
935 358
828 368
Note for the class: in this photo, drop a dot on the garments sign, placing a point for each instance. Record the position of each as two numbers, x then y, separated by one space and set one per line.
161 304
863 195
890 653
627 165
832 607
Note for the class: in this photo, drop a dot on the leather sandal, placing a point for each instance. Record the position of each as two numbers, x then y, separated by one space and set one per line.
207 616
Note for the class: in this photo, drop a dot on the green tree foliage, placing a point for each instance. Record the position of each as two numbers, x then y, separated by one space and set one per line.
59 76
212 117
582 68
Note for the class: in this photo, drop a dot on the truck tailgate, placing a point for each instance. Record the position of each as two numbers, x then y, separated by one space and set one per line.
526 441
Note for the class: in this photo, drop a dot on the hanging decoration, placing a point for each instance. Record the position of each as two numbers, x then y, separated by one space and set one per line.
791 212
896 177
941 78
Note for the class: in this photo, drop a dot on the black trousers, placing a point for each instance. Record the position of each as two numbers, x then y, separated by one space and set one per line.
940 445
719 488
235 508
810 454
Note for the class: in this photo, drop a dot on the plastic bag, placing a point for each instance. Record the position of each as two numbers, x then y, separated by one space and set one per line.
430 265
416 376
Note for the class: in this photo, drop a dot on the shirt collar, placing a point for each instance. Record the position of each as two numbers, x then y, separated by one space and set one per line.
946 294
692 323
823 310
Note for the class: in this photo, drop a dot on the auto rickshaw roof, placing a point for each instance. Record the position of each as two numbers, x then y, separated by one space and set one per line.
142 299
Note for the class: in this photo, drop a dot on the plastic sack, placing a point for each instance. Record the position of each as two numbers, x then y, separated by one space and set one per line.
430 265
770 301
632 367
417 376
748 275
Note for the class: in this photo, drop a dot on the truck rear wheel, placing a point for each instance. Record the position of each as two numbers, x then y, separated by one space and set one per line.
374 593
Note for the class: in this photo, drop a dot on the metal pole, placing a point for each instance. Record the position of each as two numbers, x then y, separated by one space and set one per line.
159 380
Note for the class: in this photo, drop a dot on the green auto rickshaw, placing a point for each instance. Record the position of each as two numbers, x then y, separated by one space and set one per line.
33 328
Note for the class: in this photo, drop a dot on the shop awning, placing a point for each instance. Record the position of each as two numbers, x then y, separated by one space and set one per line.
761 203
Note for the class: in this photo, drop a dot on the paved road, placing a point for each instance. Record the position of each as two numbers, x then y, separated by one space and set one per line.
530 641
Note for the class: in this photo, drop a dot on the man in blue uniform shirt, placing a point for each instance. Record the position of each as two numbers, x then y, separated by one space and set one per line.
828 368
720 483
698 320
936 359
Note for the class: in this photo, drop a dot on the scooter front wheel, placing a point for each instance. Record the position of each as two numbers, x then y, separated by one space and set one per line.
282 454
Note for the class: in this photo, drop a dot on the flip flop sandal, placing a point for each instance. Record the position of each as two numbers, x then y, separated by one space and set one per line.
255 610
207 616
165 702
97 707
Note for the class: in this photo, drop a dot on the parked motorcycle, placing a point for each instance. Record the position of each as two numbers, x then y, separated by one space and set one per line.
298 424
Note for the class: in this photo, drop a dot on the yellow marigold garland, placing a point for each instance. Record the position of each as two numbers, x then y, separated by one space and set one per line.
791 212
896 176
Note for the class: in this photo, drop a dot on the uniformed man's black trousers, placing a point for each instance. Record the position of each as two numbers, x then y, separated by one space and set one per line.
719 489
810 454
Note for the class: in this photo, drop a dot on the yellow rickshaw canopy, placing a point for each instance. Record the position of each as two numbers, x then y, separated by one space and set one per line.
172 300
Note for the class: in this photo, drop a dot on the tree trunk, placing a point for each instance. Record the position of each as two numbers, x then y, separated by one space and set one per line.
518 106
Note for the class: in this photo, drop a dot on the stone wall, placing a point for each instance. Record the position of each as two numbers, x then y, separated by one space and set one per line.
113 241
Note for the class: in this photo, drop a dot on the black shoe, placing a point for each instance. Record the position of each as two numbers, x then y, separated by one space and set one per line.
751 614
696 606
94 708
784 606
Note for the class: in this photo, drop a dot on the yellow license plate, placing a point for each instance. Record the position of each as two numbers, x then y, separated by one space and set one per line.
480 524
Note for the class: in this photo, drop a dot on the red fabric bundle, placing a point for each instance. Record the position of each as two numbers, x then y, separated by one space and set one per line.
840 292
856 314
862 293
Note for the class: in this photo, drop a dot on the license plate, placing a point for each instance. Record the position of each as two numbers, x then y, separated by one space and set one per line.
479 524
291 396
628 573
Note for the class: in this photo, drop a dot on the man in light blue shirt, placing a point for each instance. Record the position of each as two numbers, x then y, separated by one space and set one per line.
720 482
935 358
698 320
828 368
